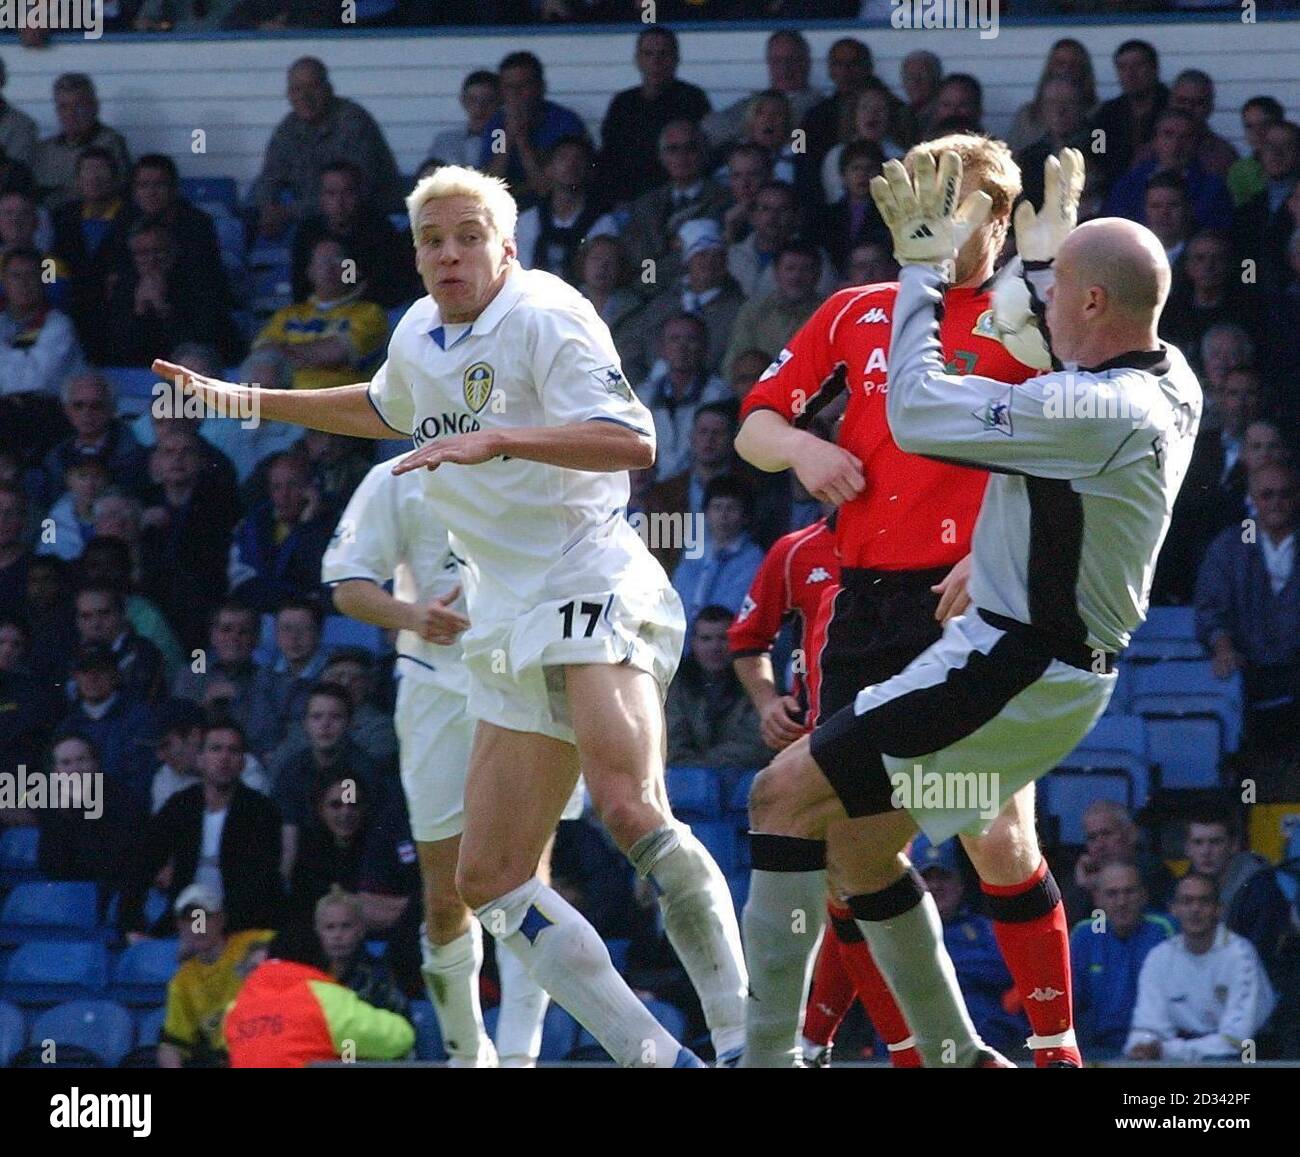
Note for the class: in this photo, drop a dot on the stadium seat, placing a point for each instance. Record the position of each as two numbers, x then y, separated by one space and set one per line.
149 1026
559 1034
1185 745
1087 761
1121 697
1066 794
45 972
722 839
341 631
428 1036
695 793
1184 677
132 384
13 1032
49 910
141 973
1168 633
101 1027
203 191
1116 733
18 856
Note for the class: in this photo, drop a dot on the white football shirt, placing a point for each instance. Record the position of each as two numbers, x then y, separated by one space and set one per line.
389 530
538 355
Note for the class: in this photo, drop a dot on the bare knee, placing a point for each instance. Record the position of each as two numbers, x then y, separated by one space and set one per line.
479 882
1007 853
626 811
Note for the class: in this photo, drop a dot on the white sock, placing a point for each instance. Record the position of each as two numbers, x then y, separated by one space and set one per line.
523 1007
783 920
700 920
450 973
562 952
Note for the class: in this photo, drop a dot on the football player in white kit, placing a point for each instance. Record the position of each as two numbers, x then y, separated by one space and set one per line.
510 386
390 531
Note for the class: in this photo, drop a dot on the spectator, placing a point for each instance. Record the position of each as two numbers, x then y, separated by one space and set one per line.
480 98
28 704
853 218
531 125
1111 837
70 523
48 610
677 384
185 542
960 99
706 290
17 129
156 305
871 263
1264 224
1106 957
291 984
1067 60
1189 1009
77 107
219 834
353 669
968 936
339 918
278 545
1129 120
767 323
19 226
1224 348
549 233
1246 178
338 464
724 570
712 455
920 73
789 65
1248 613
746 370
114 718
300 659
711 722
87 232
850 69
180 736
603 275
656 216
38 344
1063 107
629 134
334 335
769 124
212 968
15 556
749 168
1262 445
1173 151
870 123
320 128
774 220
102 621
246 448
1207 290
385 258
95 840
1169 214
229 681
1193 93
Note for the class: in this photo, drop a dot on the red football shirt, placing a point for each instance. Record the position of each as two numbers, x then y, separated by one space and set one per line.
914 513
793 578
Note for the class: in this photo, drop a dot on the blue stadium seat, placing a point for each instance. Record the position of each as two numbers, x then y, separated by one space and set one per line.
722 840
341 631
1168 633
1226 713
1184 677
141 973
1116 733
1186 746
49 910
149 1026
739 801
695 793
1066 795
45 972
132 383
559 1034
1099 762
1122 696
13 1032
428 1036
100 1026
18 852
738 883
201 191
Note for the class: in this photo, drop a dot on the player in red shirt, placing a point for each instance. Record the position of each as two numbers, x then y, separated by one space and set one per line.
903 533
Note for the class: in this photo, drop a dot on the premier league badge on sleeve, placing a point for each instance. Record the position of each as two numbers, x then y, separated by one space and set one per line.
996 415
478 385
612 380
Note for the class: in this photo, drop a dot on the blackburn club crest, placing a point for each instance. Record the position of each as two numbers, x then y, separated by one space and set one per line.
478 385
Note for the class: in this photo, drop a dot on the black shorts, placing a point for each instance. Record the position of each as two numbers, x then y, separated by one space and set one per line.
879 622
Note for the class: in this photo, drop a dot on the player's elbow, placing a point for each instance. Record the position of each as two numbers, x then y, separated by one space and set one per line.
641 452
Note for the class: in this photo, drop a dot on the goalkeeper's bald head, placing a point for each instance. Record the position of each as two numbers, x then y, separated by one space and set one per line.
1125 259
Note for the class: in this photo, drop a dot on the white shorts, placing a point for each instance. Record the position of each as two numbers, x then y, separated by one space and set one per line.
435 733
516 667
961 729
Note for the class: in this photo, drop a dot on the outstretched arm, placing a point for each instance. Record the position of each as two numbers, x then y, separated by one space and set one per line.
340 410
592 445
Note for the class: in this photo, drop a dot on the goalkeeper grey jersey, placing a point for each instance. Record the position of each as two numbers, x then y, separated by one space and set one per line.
1086 466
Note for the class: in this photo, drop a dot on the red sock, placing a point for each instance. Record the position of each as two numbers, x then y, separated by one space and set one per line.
872 990
831 996
1034 935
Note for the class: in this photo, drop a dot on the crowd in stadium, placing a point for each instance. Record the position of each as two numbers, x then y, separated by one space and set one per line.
161 573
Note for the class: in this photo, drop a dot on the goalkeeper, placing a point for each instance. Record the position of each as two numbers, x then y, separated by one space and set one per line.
903 533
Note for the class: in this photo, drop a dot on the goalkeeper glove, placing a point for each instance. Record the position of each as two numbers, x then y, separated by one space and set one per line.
919 210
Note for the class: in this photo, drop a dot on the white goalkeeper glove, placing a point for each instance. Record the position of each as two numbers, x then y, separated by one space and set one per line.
1013 318
1039 235
919 210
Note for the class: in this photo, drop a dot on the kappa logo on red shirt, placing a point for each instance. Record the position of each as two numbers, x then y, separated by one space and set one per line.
875 314
818 574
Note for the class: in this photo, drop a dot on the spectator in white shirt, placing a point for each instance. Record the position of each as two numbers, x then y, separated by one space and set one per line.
38 345
480 97
1203 994
789 65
